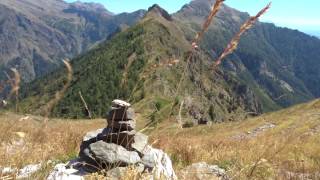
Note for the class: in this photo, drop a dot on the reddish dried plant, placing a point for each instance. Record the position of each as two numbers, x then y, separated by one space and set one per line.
15 85
214 10
232 46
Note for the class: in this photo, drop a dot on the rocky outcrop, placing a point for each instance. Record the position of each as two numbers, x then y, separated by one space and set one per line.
160 12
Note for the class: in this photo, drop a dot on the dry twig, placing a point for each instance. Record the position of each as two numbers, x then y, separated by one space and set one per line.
85 105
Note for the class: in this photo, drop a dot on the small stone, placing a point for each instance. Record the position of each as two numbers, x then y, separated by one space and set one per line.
122 125
124 138
92 134
61 172
121 114
120 103
28 170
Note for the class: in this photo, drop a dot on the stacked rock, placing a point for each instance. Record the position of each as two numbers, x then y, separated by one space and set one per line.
119 145
121 125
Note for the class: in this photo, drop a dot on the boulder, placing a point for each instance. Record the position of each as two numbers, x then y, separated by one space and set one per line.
203 170
112 154
89 138
159 162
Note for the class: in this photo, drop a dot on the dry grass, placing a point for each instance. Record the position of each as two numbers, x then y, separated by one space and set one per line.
26 141
289 149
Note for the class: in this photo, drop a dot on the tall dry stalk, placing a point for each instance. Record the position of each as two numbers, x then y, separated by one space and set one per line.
59 94
194 45
15 86
214 10
232 46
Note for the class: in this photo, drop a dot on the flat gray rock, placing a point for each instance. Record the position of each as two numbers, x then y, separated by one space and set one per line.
124 138
140 142
92 134
122 125
110 153
121 114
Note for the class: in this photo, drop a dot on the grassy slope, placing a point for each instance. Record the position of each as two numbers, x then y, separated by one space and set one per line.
292 146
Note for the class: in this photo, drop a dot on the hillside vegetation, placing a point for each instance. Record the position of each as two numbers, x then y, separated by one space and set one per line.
144 65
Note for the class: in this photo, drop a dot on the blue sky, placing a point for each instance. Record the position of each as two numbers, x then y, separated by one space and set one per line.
303 15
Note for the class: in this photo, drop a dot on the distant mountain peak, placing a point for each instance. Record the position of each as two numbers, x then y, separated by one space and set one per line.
156 9
90 6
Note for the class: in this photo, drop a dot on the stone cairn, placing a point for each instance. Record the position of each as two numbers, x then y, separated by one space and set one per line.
119 145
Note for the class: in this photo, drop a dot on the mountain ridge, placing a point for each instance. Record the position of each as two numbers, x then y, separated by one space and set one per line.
35 40
258 60
257 78
152 42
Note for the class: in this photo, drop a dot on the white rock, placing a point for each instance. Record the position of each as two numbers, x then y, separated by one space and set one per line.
159 162
92 134
121 103
8 170
28 170
60 172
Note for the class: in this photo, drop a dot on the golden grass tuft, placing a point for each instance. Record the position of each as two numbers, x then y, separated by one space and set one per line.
59 141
